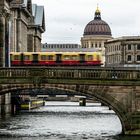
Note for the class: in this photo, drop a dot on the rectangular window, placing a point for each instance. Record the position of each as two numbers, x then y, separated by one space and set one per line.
66 57
50 57
43 57
138 47
96 46
138 57
73 57
129 58
129 47
89 57
16 57
26 57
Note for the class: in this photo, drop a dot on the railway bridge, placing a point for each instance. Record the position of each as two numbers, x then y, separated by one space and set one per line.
117 88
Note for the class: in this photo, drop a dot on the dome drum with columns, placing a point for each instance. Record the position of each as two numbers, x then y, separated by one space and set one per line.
96 33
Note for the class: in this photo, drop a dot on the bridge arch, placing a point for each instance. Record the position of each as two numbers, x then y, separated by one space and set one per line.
119 111
98 92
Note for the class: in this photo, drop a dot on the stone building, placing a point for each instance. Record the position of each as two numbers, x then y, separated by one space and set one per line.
21 27
4 31
27 25
96 33
123 52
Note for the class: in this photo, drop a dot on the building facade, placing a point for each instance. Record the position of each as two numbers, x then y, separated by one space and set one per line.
21 27
66 48
4 32
123 52
60 46
96 33
27 26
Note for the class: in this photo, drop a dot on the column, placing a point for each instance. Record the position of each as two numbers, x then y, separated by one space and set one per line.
4 38
89 44
7 43
0 105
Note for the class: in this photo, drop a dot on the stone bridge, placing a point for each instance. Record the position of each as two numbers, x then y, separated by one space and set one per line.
117 88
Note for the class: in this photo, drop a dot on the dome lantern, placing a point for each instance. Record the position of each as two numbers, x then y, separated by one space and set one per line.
97 14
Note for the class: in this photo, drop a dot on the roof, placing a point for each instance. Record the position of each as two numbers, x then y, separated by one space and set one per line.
124 38
25 2
97 26
69 50
38 13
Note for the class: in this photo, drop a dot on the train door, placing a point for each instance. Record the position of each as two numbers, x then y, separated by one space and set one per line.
21 59
35 59
82 58
58 58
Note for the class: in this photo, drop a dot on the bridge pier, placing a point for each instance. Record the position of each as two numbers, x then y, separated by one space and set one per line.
5 104
134 125
102 104
82 102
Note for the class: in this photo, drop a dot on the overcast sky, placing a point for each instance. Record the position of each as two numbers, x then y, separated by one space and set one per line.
66 19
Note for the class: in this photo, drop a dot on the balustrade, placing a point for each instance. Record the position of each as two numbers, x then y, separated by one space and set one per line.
74 73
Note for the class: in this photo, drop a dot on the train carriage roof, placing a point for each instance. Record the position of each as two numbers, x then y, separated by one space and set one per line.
15 53
66 52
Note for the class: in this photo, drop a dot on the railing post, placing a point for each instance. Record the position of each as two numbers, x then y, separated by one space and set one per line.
76 74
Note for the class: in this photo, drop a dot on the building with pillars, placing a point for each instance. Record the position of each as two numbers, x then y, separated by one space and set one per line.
96 33
4 31
21 27
27 26
5 100
123 52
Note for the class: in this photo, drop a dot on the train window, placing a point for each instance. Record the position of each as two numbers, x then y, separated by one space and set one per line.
43 57
73 57
89 57
66 57
16 57
50 57
26 57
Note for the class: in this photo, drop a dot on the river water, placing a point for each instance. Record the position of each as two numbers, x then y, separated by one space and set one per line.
63 121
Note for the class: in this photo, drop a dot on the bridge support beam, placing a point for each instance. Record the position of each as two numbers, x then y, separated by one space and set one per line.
82 102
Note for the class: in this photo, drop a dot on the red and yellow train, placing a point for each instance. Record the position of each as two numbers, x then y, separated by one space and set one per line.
56 59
